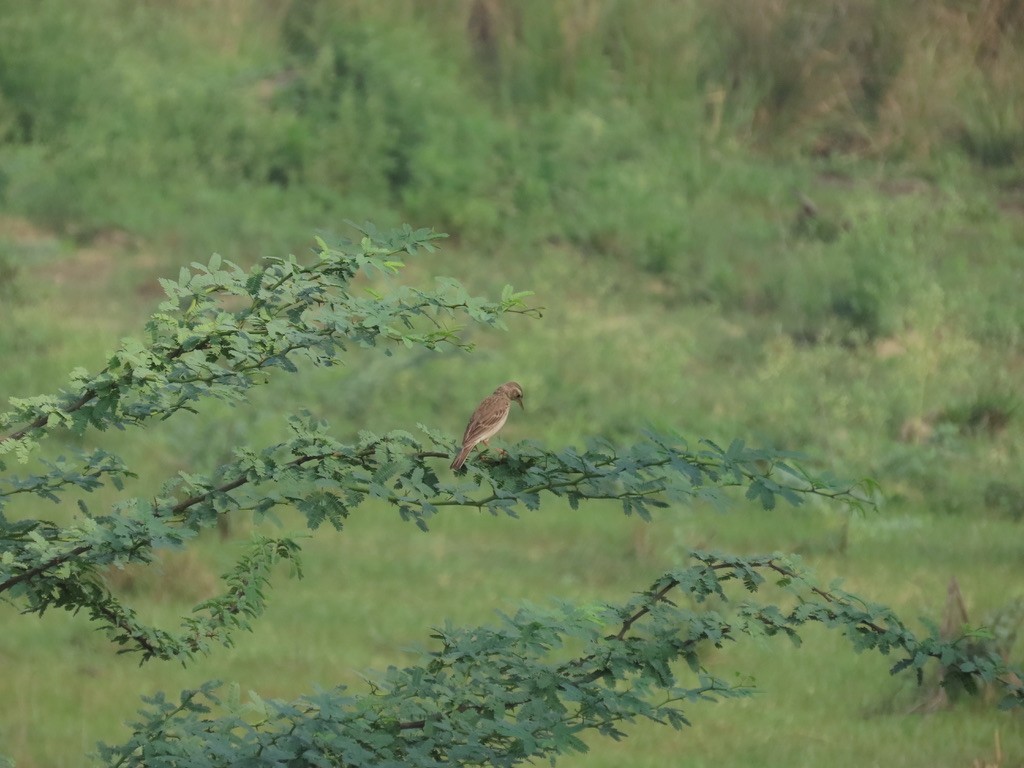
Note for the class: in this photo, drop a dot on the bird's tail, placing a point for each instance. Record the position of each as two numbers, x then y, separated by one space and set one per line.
461 458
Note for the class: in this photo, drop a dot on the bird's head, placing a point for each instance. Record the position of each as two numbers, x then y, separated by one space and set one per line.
513 392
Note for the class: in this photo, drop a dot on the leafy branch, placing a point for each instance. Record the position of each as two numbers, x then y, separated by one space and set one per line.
223 330
396 468
516 692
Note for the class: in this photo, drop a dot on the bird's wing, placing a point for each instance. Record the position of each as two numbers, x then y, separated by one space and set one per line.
487 419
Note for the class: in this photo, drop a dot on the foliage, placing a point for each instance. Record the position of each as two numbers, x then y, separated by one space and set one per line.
525 689
531 686
196 347
414 110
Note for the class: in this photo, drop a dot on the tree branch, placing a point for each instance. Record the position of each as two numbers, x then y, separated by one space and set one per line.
42 568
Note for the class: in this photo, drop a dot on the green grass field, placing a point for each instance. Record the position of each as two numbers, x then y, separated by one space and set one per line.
723 278
601 355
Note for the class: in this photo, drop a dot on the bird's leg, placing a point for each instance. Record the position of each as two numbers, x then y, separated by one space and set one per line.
501 451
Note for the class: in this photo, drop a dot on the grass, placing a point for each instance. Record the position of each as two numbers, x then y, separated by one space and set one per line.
727 375
816 703
721 246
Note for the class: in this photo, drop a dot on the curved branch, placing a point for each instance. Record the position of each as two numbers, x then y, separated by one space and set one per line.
305 308
494 695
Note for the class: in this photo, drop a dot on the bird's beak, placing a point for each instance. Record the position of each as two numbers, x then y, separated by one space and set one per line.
520 401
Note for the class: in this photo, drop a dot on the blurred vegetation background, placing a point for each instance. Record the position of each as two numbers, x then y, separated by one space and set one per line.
800 222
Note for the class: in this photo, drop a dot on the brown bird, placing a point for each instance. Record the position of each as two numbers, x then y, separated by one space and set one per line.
488 418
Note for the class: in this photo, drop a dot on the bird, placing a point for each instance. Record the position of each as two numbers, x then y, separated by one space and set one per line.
488 418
